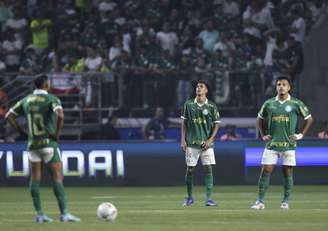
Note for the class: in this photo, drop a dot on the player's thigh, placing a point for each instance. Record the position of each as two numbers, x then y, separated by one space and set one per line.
270 157
34 156
192 156
207 157
288 158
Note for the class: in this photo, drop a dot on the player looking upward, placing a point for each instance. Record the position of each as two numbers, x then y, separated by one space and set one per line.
200 124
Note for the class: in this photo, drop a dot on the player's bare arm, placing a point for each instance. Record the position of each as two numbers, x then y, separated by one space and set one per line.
11 118
60 121
306 126
260 126
183 135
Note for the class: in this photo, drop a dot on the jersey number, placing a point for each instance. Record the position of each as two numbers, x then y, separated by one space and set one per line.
36 124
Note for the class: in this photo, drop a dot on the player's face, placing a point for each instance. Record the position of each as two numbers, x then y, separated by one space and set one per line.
201 89
282 87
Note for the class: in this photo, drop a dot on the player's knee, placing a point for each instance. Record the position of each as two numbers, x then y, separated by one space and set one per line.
266 171
208 169
190 171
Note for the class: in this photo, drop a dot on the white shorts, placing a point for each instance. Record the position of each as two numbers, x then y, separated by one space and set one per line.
43 154
192 155
270 157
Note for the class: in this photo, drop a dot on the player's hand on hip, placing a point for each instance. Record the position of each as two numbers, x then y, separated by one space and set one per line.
267 138
53 137
184 145
296 137
207 144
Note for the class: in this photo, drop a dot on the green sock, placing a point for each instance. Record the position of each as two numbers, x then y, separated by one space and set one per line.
35 193
189 182
288 185
209 182
264 183
60 195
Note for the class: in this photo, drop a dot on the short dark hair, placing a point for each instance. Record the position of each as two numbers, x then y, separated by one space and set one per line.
40 80
284 78
203 82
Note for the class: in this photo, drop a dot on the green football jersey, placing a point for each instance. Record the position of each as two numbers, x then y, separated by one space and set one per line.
39 110
200 120
282 121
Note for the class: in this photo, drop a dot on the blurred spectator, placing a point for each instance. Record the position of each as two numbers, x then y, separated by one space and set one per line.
93 60
209 36
167 39
40 27
32 63
5 13
324 133
230 134
199 51
155 128
123 60
257 18
230 8
316 8
11 49
3 104
116 49
18 24
224 45
298 26
291 61
109 130
74 64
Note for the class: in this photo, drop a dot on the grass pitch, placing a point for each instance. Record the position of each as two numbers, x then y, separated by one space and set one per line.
159 208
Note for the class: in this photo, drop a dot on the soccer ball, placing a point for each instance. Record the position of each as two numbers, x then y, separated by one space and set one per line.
107 212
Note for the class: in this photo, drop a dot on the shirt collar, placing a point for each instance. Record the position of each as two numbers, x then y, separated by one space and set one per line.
40 92
195 101
288 98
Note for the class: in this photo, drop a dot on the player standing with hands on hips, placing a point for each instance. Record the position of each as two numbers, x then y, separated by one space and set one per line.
200 124
277 122
45 118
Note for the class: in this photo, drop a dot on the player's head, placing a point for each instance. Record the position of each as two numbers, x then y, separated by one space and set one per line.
283 85
201 88
42 82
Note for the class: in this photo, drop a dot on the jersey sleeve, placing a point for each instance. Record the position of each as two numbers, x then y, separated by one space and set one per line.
184 113
216 115
17 109
263 111
302 110
56 104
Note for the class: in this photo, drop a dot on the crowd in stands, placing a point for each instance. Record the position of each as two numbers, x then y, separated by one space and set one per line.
101 35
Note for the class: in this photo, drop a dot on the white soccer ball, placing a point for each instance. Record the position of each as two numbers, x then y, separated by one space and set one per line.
107 212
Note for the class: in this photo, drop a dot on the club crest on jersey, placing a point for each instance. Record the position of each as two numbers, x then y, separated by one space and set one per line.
288 108
205 112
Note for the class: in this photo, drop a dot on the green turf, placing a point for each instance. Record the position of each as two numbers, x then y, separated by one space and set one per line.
159 208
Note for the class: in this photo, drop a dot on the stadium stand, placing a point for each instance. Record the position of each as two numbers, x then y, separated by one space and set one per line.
133 56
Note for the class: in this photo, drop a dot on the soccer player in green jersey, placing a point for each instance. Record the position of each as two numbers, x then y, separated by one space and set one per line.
45 116
277 121
200 124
